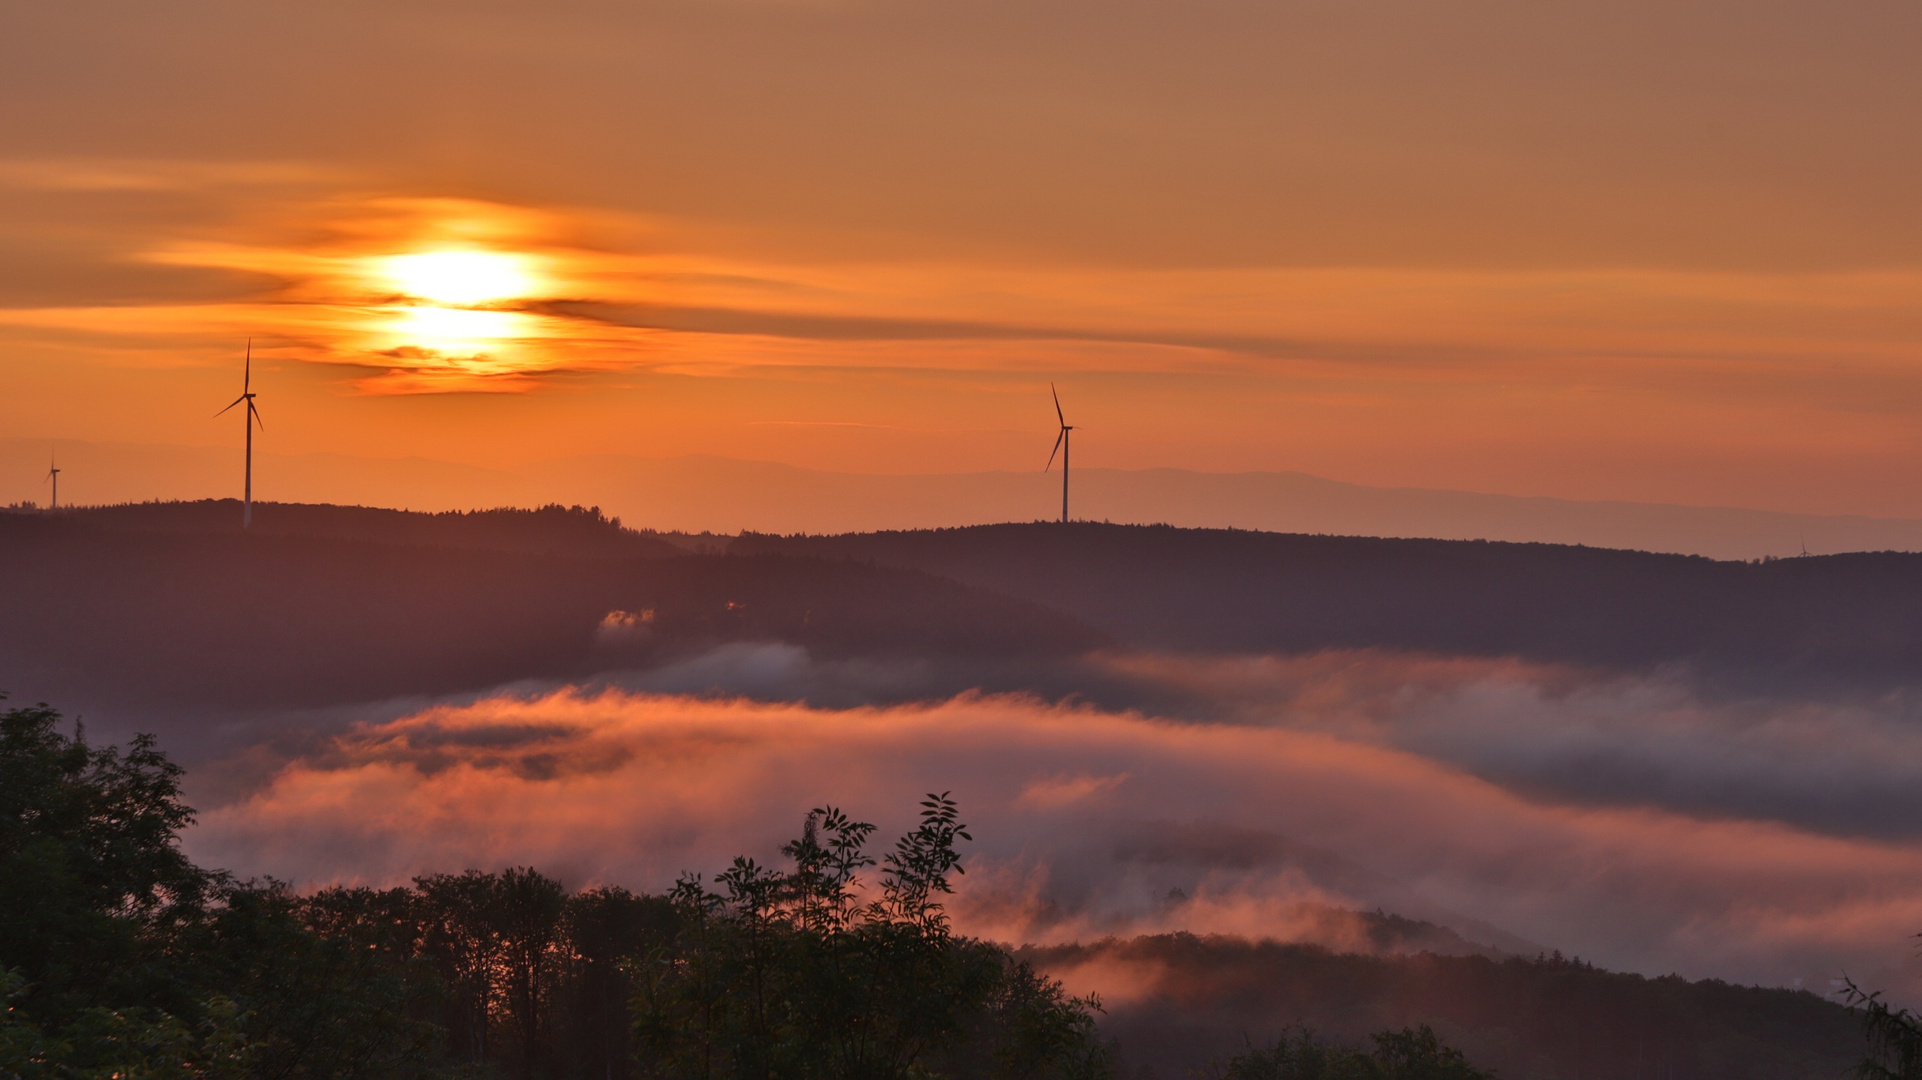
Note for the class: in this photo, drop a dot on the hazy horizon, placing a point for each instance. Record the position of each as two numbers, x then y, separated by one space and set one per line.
706 493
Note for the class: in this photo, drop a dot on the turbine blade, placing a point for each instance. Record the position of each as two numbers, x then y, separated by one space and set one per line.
1058 440
247 372
255 413
232 403
1057 405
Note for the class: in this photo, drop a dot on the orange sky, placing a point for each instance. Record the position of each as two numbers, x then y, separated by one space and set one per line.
1665 252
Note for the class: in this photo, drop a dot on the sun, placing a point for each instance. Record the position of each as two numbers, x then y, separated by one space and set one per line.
460 277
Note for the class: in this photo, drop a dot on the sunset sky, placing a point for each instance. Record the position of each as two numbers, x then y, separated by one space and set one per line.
498 252
1634 250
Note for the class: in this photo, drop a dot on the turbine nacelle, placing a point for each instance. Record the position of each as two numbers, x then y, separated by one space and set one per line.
246 390
1058 440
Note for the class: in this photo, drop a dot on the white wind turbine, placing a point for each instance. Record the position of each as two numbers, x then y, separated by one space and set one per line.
248 419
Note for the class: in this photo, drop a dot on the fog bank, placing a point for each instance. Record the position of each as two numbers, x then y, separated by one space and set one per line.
1091 821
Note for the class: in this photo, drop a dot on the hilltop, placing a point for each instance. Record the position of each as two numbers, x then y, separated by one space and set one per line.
173 603
1186 999
1841 619
699 493
144 607
549 530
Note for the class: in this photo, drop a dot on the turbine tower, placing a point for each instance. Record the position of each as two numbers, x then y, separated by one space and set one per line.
53 474
248 419
1060 447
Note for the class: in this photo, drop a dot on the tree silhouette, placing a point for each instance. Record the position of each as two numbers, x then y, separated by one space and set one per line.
787 974
1894 1037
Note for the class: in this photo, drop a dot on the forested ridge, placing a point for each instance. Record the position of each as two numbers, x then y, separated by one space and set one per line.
172 617
1823 620
1196 998
547 530
172 606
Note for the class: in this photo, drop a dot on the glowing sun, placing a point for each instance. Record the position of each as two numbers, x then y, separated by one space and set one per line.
461 277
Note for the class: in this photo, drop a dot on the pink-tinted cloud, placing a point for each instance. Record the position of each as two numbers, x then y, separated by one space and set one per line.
1090 822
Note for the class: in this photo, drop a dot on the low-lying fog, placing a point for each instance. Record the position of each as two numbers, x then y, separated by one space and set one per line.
1629 820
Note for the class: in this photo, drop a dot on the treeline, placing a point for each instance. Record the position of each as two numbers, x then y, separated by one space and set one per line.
1409 1054
122 960
546 530
1199 998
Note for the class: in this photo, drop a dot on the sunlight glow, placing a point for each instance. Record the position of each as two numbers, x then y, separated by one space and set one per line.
458 329
461 277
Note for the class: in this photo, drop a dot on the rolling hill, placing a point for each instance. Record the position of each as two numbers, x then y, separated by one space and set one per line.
1188 1000
1837 619
173 603
325 605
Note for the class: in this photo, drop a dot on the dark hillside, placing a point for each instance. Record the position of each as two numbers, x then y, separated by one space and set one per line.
1191 1000
551 530
1836 617
229 619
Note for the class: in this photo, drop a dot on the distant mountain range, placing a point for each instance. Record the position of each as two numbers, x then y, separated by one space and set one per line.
696 494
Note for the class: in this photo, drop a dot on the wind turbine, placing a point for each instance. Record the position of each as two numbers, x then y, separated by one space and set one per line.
53 474
248 419
1060 447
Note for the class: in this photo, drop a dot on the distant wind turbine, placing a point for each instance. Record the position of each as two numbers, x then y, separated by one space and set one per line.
248 419
53 474
1060 447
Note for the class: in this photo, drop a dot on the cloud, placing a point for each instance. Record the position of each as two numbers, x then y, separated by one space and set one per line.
1052 793
1847 765
160 174
1462 252
1091 821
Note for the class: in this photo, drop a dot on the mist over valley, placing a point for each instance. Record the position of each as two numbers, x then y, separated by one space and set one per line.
1381 749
